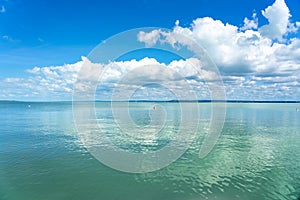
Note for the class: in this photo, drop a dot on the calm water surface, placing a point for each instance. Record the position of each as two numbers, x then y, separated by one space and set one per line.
256 157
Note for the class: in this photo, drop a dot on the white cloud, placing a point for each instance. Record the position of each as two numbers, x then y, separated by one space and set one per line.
256 63
248 52
250 23
43 83
56 82
278 16
242 50
150 38
10 39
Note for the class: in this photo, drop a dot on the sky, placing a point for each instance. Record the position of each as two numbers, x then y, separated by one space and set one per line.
254 44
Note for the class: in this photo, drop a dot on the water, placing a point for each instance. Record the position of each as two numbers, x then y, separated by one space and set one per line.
256 157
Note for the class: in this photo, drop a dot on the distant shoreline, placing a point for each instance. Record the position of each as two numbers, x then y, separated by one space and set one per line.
157 101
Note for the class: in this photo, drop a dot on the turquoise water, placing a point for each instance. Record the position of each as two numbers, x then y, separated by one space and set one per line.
256 157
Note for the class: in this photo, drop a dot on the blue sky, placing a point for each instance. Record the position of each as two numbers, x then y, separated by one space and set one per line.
54 33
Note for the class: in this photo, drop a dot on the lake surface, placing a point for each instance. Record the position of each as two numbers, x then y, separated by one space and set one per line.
256 157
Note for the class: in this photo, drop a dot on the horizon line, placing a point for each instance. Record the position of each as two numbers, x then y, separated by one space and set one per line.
162 101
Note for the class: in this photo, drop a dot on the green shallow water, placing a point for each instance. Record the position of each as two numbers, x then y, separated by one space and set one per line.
256 157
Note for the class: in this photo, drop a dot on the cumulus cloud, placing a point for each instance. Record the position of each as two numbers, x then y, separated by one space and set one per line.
42 83
248 52
58 82
149 38
244 49
237 51
256 63
278 16
250 23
